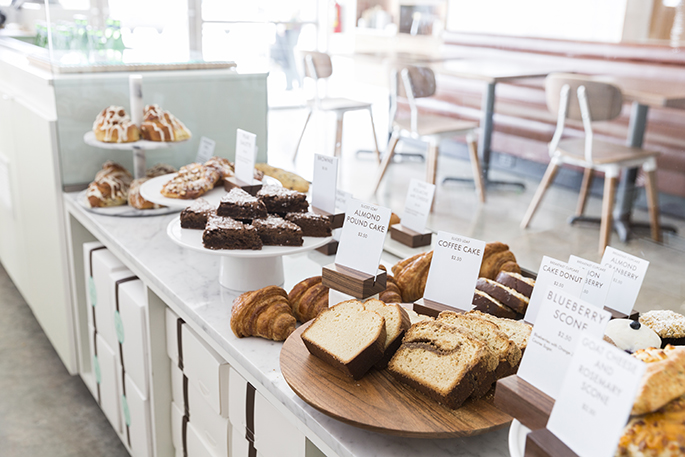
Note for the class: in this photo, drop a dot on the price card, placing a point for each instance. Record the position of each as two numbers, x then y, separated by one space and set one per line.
454 270
362 237
629 272
597 280
324 182
553 273
245 153
560 322
417 206
206 150
596 398
341 199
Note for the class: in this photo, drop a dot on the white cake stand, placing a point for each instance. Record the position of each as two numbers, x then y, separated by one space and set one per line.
517 438
244 270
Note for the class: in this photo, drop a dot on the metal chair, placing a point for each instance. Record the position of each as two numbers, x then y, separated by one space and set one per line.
317 65
417 82
587 99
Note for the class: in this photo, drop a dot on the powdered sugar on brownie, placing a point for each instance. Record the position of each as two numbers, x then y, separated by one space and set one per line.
218 222
239 197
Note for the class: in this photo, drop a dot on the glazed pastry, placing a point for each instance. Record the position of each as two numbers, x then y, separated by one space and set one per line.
113 125
136 200
664 378
223 166
161 125
630 335
411 275
669 325
497 257
110 187
658 434
308 298
265 313
192 181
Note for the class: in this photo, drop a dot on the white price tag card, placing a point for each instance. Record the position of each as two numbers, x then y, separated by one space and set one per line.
245 153
324 182
629 272
417 206
560 322
597 280
363 236
553 273
596 398
454 270
206 150
341 200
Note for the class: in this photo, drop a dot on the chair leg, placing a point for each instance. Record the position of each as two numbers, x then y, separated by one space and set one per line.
375 140
550 173
653 204
432 162
605 229
475 166
338 135
387 158
588 176
297 148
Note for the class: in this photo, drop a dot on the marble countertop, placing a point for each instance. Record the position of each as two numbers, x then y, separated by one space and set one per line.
188 282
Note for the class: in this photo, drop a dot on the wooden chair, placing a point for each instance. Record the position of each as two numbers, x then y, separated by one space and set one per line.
586 99
417 82
317 65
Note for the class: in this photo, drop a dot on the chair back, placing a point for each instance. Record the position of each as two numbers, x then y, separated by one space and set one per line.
317 65
422 82
604 99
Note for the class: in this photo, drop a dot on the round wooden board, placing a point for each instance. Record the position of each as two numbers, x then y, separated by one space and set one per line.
380 403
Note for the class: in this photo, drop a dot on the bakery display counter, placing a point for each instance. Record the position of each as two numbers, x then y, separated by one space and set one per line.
185 282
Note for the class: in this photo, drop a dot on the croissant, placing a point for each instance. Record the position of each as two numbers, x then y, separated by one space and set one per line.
497 257
308 298
265 313
411 275
392 293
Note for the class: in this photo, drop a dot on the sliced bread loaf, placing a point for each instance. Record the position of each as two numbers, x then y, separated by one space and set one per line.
441 361
486 303
348 337
505 295
517 331
396 323
517 282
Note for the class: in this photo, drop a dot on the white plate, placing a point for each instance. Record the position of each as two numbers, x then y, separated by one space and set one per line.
150 191
89 139
192 239
123 210
517 438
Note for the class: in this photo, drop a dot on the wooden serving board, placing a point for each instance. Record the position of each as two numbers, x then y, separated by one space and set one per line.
378 402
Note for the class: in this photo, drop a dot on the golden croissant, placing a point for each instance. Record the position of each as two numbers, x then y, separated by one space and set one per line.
392 293
411 275
497 257
265 313
308 298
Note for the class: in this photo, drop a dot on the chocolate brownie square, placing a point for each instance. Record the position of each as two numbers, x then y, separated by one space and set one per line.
238 204
282 201
312 224
227 233
195 216
276 231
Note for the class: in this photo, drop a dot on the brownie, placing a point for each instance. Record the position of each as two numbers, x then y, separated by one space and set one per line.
312 224
282 201
276 231
195 216
238 204
227 233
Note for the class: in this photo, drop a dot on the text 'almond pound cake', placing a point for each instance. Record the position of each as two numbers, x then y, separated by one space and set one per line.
441 361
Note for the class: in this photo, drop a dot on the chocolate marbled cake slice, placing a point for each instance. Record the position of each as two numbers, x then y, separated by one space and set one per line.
312 224
276 231
238 204
282 201
195 216
227 233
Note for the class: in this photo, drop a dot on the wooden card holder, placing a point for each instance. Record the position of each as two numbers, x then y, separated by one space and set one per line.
353 282
336 219
432 308
330 248
543 443
250 188
524 402
409 237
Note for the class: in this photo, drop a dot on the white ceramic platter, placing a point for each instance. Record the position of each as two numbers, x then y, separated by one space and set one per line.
123 210
89 139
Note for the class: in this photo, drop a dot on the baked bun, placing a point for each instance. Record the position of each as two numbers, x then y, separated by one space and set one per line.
223 166
308 298
161 125
265 313
497 257
411 275
192 181
110 186
136 200
113 125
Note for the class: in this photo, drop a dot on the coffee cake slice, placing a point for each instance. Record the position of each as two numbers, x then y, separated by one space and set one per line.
276 231
227 233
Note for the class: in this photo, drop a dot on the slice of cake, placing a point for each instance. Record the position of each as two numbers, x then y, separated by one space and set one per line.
240 205
441 361
490 305
227 233
505 295
396 323
517 331
195 216
348 337
516 281
276 231
282 201
312 224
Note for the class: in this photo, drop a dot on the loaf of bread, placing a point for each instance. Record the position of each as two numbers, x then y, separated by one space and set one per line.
517 331
664 378
288 179
497 257
265 313
396 323
658 434
308 298
348 337
411 274
110 186
441 361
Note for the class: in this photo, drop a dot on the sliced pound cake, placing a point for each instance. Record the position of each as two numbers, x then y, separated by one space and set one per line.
517 331
348 337
441 361
396 323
